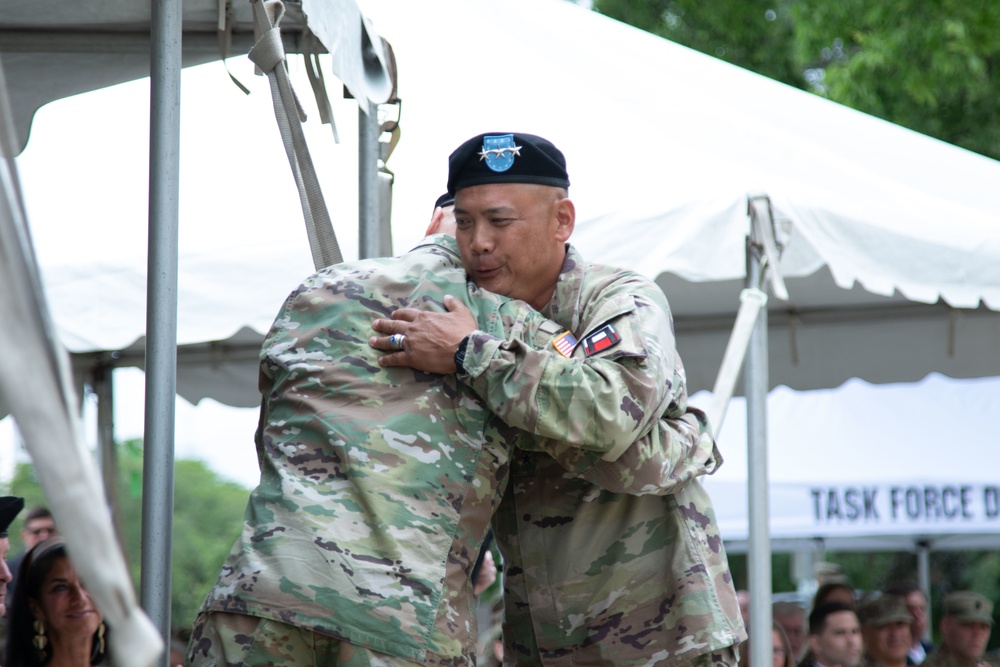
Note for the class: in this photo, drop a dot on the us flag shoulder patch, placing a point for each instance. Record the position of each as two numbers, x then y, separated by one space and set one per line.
564 344
605 337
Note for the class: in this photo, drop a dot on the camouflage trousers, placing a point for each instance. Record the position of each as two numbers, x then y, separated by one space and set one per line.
726 657
237 640
723 657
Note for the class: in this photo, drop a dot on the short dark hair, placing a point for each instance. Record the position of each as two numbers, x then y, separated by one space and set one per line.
823 591
817 618
37 512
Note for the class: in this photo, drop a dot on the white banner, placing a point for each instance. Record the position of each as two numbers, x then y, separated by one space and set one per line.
912 510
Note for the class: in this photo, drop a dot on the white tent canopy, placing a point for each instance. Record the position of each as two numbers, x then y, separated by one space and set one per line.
664 145
893 239
661 162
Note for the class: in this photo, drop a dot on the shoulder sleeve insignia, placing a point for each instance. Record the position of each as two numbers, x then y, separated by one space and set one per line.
602 339
564 344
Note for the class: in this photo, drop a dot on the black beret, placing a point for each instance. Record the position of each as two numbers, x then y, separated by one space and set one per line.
9 507
444 200
506 157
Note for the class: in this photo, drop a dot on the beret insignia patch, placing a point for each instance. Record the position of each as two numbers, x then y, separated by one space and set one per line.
499 152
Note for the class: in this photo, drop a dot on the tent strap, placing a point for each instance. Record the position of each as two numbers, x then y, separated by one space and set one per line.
225 35
268 55
752 301
311 47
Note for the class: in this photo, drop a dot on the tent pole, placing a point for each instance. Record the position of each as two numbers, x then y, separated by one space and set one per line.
161 313
369 236
759 546
924 580
103 382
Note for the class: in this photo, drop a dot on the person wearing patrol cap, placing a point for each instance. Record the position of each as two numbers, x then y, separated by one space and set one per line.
885 628
966 624
602 566
9 507
444 201
916 602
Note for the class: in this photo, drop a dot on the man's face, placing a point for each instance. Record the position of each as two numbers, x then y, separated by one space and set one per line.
36 530
917 604
4 574
839 644
966 638
888 643
512 237
794 626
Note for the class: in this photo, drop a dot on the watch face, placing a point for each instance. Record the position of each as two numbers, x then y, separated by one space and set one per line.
460 352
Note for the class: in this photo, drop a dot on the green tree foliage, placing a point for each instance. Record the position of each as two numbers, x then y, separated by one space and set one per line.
754 35
930 65
208 515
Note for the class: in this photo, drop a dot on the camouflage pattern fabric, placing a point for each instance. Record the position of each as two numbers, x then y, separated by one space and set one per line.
724 657
615 396
377 484
224 640
612 560
944 657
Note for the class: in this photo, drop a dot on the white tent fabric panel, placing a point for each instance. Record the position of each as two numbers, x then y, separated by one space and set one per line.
664 144
53 49
661 161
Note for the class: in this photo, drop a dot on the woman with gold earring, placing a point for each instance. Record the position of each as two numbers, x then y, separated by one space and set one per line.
52 619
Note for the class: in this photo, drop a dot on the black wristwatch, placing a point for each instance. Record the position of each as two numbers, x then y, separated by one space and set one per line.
460 353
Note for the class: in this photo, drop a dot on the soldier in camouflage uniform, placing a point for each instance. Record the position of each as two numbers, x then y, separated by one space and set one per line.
885 629
966 624
376 484
607 561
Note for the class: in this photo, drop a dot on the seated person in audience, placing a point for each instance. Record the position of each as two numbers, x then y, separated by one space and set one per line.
52 619
916 602
792 619
885 629
834 636
966 624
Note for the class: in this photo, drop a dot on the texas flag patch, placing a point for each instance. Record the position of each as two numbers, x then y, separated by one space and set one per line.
601 340
564 344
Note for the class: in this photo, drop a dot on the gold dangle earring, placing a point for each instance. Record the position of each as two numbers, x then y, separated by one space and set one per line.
40 641
97 646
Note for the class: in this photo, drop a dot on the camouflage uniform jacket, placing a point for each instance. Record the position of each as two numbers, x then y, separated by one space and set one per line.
377 484
944 657
614 561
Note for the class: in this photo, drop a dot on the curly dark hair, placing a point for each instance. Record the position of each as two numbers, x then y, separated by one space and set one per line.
34 569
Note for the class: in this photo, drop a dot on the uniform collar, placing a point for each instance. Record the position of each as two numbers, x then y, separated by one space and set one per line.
444 241
564 306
